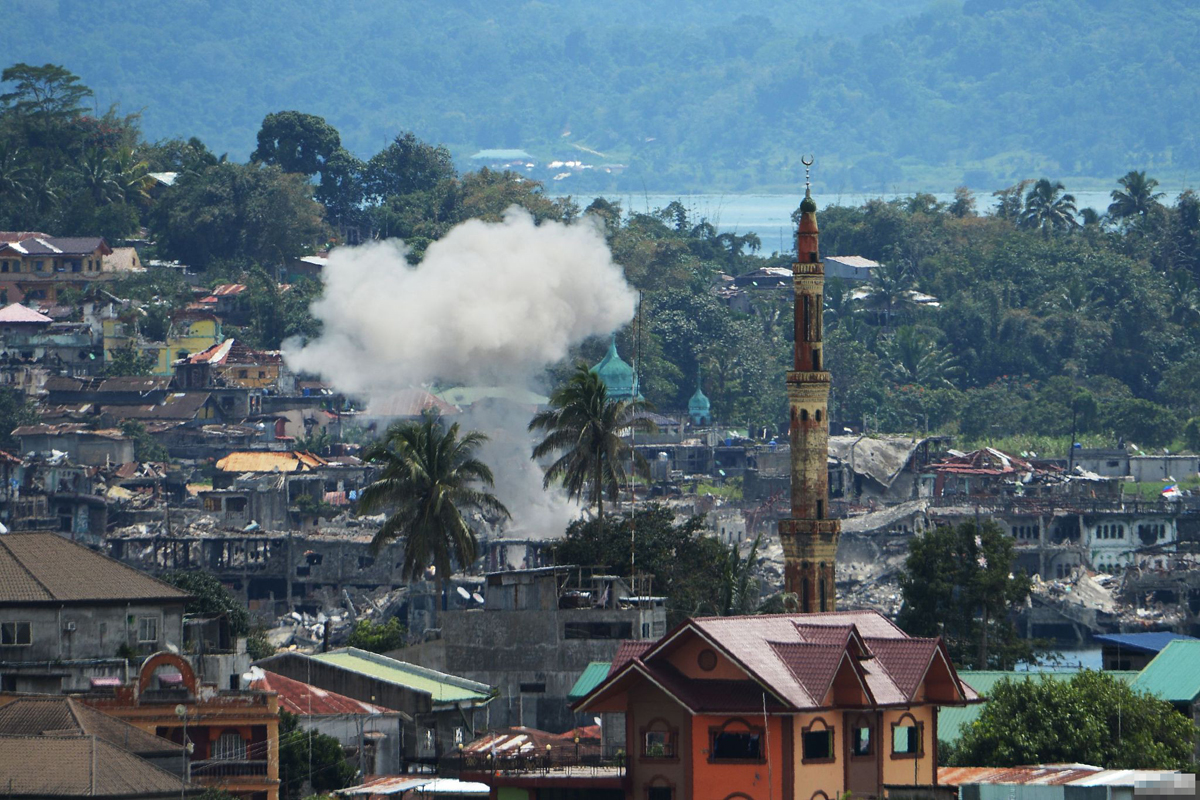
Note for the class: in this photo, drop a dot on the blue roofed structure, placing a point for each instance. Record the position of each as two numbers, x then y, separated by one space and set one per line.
1135 650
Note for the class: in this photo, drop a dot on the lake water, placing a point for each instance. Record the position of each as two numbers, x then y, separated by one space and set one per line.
770 215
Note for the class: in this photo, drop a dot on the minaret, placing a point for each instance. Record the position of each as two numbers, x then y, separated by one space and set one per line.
809 537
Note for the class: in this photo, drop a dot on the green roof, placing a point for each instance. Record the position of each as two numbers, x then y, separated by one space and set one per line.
953 720
469 395
1173 675
595 673
699 402
441 687
503 155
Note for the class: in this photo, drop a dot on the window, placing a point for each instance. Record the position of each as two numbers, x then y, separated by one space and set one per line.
148 629
906 738
533 688
660 793
817 744
659 740
229 746
3 266
242 373
262 373
39 266
735 741
861 743
16 634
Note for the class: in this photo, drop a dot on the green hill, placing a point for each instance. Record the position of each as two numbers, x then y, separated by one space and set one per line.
687 94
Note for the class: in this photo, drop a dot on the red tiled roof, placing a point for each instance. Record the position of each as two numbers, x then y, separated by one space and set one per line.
305 700
906 660
791 658
628 651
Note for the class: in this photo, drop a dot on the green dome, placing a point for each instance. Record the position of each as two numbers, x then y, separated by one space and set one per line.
808 204
619 378
698 403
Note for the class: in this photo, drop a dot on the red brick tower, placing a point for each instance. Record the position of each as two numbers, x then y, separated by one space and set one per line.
809 537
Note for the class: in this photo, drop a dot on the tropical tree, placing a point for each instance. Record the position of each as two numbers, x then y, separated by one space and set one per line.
1048 208
1110 725
913 357
959 583
1136 197
96 172
584 425
15 174
738 591
890 290
429 481
296 142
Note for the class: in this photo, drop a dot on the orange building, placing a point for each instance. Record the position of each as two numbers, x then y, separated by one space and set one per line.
234 734
794 707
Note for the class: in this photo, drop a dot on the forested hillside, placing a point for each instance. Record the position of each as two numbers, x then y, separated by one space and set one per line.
692 96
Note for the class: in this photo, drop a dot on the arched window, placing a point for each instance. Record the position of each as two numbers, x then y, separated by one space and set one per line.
736 740
862 738
817 416
230 746
660 740
907 737
804 415
817 742
821 585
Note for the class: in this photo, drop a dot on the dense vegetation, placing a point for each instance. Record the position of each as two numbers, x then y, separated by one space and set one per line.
693 95
1094 718
1015 313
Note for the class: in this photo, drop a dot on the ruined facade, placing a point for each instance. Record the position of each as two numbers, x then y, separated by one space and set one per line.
809 536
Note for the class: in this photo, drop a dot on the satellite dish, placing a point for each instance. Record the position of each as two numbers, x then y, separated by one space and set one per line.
478 598
597 720
463 593
181 710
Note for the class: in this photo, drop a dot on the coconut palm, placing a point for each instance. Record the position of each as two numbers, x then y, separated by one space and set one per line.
583 427
738 591
912 357
1136 197
15 174
1048 209
99 177
890 290
132 176
430 480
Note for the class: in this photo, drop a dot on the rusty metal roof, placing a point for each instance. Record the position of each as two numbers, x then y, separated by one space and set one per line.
1046 775
305 700
270 461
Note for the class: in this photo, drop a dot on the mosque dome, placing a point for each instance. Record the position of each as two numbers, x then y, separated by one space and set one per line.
618 377
699 409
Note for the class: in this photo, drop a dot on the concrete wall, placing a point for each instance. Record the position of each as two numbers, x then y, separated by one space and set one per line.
389 754
1163 468
99 630
526 655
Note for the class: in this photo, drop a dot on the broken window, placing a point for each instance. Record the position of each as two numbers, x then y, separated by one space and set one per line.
598 630
736 745
235 505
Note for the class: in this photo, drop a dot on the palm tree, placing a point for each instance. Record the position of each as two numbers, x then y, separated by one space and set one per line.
584 426
429 480
738 592
1047 209
912 357
15 174
132 176
96 171
891 288
1138 197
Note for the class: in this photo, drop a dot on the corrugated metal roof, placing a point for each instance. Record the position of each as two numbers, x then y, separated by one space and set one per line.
1174 674
952 721
1065 774
1149 642
596 672
269 461
45 567
304 699
442 688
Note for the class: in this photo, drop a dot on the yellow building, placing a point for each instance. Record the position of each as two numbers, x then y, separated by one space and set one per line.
190 332
35 267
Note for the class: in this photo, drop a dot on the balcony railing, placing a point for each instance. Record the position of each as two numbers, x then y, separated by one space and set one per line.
228 768
565 761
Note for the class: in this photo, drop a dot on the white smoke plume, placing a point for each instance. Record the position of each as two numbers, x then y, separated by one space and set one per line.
489 304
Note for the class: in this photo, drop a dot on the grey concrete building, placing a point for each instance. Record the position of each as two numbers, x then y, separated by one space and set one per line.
70 618
538 631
